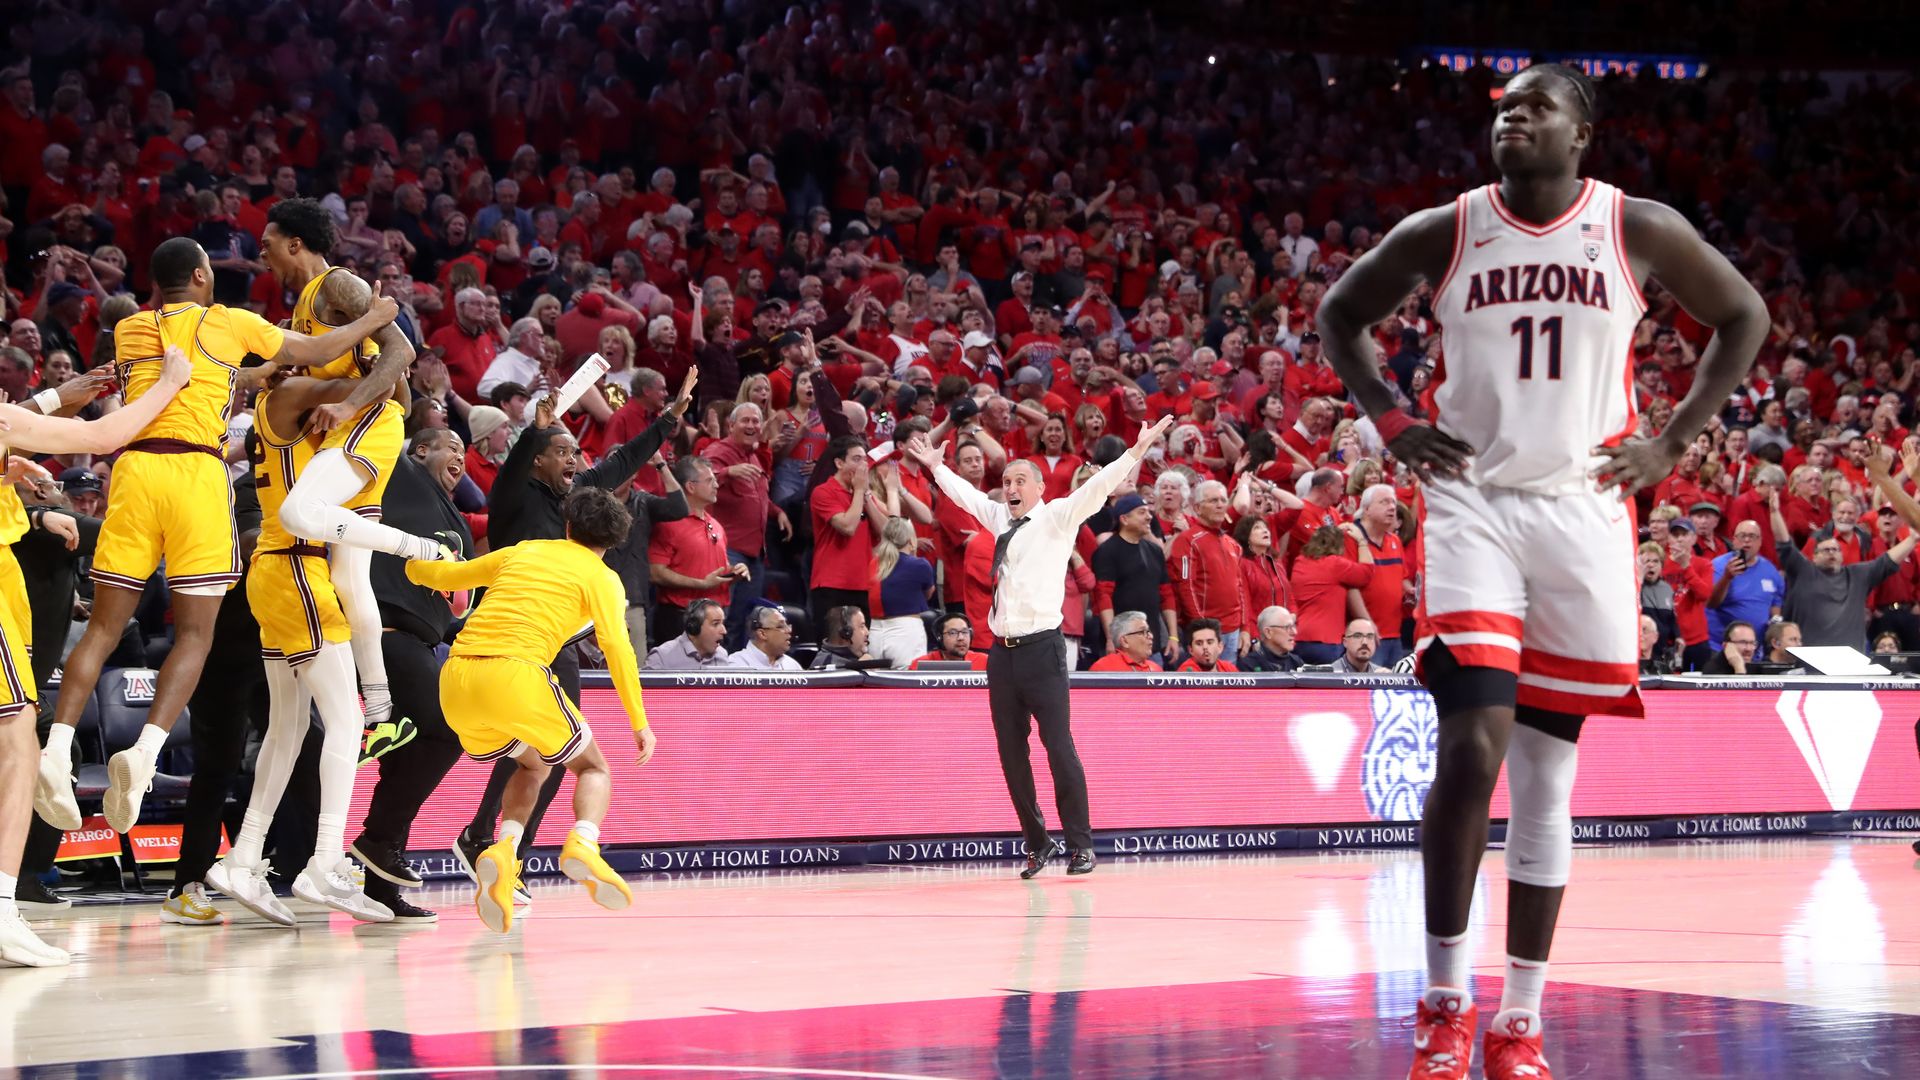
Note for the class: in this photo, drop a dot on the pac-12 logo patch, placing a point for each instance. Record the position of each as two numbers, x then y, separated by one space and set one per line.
1398 765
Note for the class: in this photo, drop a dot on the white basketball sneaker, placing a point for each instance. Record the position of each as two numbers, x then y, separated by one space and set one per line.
129 778
19 945
338 887
247 884
53 792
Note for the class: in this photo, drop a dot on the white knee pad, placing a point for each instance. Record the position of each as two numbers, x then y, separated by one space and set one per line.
1540 772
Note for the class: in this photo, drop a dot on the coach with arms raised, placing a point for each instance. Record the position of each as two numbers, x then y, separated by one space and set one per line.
1027 668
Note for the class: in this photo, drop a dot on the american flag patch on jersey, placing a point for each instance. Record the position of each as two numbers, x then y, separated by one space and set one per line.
1595 233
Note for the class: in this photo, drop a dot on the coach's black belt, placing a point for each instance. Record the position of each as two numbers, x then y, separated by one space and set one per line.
1031 639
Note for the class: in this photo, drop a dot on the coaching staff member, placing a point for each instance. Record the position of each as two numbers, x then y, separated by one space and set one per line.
1027 668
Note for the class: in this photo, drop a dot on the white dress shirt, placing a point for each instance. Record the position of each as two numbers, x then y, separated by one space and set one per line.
752 657
1033 580
1301 249
511 365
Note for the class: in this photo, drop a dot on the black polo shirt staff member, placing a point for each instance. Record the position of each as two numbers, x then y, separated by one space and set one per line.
1027 669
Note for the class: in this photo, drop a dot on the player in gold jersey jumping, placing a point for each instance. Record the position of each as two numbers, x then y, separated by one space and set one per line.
502 700
337 499
173 504
24 430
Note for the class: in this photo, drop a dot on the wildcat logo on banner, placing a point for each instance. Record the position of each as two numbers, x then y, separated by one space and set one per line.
1398 764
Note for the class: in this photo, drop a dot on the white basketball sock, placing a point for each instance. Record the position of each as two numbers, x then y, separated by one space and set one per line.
60 741
587 830
329 678
511 833
288 715
152 739
1526 984
351 568
1449 962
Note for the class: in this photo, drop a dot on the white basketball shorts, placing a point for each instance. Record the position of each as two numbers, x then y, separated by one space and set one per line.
1544 586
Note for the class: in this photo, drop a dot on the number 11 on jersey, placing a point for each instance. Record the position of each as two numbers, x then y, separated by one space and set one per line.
1549 329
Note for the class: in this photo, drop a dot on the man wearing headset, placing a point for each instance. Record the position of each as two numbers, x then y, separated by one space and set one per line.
699 647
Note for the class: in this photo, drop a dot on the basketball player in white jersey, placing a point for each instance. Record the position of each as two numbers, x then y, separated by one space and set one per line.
1528 617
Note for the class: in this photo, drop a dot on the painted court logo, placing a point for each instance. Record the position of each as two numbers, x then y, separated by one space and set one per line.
1398 764
1834 730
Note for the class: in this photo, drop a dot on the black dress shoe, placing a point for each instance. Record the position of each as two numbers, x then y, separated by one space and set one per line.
383 860
1082 862
32 895
1037 861
1916 851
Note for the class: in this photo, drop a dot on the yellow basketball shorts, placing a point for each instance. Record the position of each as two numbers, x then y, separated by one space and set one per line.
292 598
499 706
16 639
171 508
373 442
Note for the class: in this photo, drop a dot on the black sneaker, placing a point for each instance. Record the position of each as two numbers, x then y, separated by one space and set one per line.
385 737
466 851
32 895
403 912
383 860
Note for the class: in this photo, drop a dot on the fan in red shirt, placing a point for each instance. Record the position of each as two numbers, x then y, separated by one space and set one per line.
1321 577
1385 596
468 346
1132 645
1311 436
1204 647
954 633
1054 459
1203 566
846 518
1692 580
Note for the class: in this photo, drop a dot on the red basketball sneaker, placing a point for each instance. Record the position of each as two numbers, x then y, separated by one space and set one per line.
1513 1047
1443 1036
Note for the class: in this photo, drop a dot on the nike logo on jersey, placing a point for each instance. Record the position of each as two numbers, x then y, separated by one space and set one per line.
1484 243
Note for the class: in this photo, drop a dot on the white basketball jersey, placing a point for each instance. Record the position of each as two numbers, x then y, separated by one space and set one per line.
1536 340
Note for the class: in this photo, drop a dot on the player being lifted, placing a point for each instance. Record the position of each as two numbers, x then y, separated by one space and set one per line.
172 503
1528 618
337 498
303 641
503 701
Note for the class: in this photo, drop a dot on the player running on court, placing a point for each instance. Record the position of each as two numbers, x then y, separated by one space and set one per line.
502 700
1529 614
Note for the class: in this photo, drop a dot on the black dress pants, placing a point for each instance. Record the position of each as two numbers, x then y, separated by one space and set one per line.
566 669
223 706
409 775
1025 684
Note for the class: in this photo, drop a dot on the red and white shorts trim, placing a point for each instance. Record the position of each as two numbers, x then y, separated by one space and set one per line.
1540 585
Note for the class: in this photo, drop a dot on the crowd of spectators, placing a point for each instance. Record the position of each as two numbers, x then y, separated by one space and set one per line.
1019 234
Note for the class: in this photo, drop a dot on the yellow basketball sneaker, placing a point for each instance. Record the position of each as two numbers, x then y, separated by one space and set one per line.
499 874
580 860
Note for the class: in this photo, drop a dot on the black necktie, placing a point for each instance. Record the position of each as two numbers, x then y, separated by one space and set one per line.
1000 548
